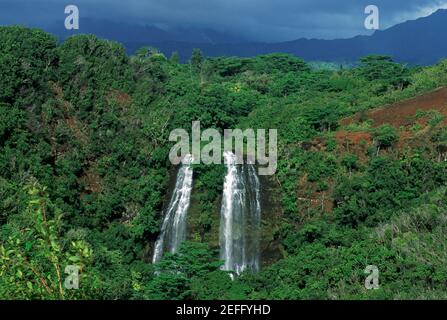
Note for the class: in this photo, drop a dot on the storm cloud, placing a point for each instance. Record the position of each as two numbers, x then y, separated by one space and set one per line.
266 20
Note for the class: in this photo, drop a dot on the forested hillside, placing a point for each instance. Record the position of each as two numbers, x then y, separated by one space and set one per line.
85 173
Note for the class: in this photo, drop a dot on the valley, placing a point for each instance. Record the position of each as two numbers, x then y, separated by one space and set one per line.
86 179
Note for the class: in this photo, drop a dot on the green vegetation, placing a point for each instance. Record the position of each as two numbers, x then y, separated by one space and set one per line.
84 173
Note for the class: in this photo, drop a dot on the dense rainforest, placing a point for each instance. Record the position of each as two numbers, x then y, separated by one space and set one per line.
84 173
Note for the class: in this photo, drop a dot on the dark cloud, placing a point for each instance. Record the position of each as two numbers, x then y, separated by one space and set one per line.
271 20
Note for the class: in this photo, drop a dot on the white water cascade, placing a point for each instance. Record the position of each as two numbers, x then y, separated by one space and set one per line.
240 217
173 230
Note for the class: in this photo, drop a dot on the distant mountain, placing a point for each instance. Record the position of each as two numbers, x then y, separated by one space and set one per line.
422 41
144 35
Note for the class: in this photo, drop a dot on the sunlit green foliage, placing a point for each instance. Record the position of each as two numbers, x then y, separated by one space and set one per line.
84 173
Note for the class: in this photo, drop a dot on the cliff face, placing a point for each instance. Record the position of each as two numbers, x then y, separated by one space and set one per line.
204 216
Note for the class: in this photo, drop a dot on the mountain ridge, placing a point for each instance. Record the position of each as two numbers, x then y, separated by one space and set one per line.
420 42
417 42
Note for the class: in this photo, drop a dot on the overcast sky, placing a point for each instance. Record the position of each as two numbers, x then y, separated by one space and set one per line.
268 20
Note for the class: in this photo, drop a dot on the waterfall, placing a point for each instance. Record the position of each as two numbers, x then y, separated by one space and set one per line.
173 230
240 217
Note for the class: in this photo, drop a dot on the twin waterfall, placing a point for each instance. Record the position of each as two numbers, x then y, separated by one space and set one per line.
173 230
240 216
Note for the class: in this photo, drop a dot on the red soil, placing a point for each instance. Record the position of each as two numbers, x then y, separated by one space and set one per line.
403 113
121 97
343 136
